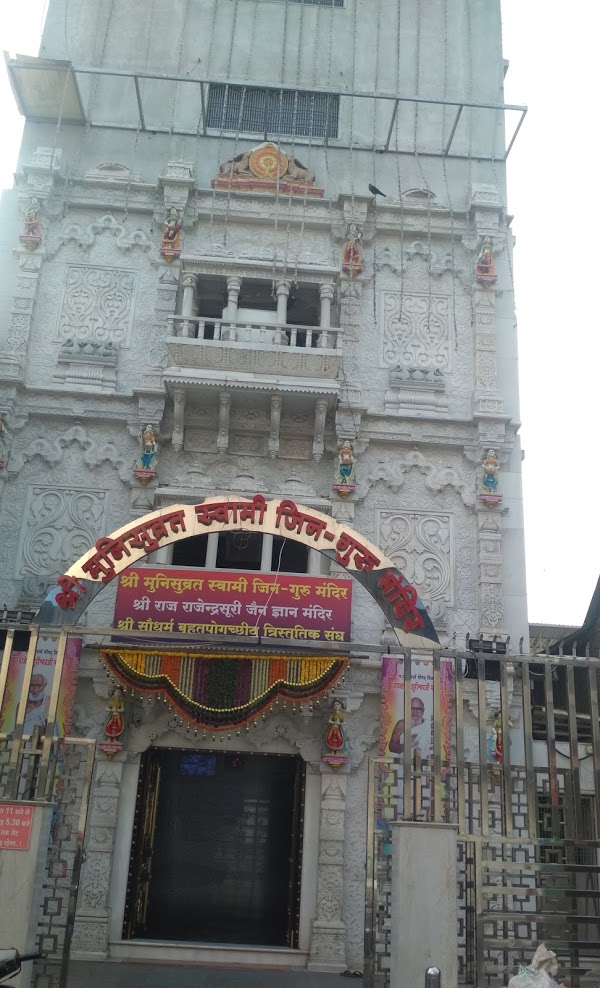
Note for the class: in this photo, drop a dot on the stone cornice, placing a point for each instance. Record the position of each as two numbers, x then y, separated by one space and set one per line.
199 264
175 376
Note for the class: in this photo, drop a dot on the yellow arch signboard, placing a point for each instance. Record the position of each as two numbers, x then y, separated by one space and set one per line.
113 553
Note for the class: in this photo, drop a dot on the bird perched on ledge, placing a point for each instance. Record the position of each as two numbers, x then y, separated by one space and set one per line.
376 192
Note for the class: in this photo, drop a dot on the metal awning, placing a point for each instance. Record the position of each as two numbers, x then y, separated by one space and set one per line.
50 90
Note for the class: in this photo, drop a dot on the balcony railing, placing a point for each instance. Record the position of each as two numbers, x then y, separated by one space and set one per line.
255 333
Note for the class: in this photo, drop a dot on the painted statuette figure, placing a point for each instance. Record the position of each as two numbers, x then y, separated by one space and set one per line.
541 973
170 247
115 725
336 748
352 251
31 237
345 478
485 271
145 468
489 480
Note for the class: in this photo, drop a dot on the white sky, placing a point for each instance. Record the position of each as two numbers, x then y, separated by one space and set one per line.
553 169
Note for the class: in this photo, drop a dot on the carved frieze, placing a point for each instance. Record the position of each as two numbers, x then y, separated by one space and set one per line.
422 546
58 525
97 305
415 330
124 239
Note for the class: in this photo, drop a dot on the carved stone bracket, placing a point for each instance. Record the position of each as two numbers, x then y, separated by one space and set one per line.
485 207
41 173
328 943
177 182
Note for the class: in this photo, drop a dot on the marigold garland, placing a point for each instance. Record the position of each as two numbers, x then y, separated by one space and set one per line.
214 691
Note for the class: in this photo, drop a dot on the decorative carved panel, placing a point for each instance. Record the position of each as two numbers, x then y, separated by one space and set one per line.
97 305
422 546
415 330
59 524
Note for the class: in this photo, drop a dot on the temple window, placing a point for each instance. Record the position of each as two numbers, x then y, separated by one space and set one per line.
279 112
246 551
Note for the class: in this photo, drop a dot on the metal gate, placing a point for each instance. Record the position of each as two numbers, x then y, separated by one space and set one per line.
528 824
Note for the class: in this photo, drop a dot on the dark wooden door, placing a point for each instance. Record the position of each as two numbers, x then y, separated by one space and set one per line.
226 848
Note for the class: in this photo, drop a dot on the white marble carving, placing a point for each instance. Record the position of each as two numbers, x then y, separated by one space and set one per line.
422 546
415 330
59 525
97 305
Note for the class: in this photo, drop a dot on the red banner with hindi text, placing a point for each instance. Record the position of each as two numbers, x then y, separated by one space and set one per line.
275 607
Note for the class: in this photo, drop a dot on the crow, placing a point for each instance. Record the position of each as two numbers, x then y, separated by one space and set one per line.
376 192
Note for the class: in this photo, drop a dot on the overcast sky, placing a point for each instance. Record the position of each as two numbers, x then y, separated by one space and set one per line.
553 169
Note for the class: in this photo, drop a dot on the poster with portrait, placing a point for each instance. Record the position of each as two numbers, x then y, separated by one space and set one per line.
393 733
40 687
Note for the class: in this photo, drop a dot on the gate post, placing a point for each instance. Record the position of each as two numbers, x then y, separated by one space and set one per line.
424 903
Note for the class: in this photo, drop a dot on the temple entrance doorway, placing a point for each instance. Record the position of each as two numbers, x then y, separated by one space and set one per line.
217 848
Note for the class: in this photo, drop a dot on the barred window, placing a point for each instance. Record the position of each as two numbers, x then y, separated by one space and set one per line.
290 113
321 3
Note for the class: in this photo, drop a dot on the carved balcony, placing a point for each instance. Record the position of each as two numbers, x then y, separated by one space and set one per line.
217 345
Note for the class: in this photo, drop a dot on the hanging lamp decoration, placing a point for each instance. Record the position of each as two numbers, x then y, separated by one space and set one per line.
217 692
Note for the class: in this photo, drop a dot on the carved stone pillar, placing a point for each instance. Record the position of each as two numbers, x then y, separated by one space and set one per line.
283 290
487 399
350 302
90 936
224 409
178 425
234 286
21 312
328 943
276 402
187 304
489 565
326 293
319 433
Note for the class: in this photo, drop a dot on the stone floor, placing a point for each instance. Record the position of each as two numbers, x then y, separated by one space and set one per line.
111 974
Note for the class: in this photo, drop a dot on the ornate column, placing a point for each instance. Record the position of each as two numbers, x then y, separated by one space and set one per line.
276 402
487 399
283 290
234 286
328 943
319 433
485 210
223 434
187 305
42 173
179 411
90 936
326 293
489 565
